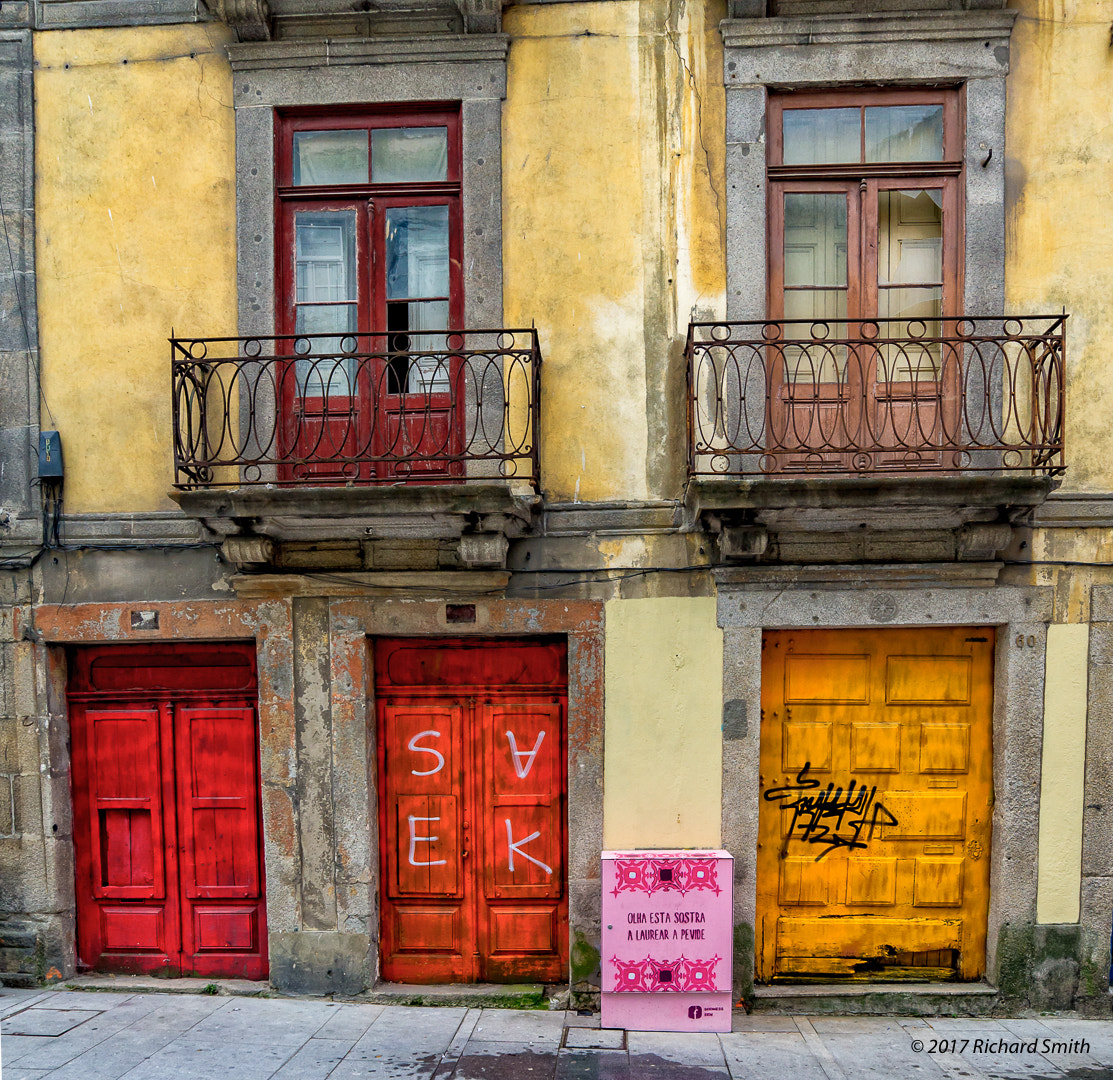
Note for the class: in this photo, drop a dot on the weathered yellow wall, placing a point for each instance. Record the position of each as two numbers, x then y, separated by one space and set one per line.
1060 238
662 775
1062 780
135 200
613 215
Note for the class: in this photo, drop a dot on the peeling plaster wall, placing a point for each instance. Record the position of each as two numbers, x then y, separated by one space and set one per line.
136 218
1059 240
613 227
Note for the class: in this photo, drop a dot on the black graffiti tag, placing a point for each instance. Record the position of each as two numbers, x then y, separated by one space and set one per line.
833 818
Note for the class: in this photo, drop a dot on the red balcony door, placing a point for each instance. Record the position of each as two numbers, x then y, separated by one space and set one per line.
166 824
472 811
326 388
369 265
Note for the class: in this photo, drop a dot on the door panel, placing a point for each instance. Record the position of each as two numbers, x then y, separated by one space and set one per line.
473 816
876 777
217 802
126 819
428 912
220 871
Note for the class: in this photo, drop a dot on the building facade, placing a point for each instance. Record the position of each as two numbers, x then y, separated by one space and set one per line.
445 441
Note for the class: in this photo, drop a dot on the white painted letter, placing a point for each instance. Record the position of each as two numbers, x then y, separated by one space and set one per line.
517 846
411 745
415 839
529 755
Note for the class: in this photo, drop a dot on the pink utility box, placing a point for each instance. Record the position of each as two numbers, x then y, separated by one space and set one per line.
667 936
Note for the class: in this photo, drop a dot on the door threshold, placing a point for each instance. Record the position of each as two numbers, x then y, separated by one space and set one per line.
471 995
877 999
153 984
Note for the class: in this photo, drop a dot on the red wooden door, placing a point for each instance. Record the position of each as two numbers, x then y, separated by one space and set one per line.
166 833
472 812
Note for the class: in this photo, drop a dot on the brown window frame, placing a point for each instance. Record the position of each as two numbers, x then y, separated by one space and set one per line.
364 198
870 177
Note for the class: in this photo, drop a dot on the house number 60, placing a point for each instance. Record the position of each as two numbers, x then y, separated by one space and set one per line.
1022 641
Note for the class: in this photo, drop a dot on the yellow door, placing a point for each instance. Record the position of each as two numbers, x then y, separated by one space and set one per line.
876 804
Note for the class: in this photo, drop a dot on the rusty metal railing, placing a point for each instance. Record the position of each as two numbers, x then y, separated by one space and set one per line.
383 408
787 397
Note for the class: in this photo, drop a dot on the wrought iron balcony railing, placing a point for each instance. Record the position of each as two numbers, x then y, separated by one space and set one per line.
356 409
784 397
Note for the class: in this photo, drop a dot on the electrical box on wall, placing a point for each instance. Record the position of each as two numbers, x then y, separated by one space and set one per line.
50 456
667 940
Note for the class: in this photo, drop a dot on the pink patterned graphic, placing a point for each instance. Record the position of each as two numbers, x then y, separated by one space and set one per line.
661 875
661 976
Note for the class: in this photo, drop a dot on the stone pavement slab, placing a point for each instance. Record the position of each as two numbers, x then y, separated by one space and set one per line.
505 1025
315 1060
595 1039
348 1022
45 1021
761 1055
13 1000
597 1065
506 1061
882 1057
689 1048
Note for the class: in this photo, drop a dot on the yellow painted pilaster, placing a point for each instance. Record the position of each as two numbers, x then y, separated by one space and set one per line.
1063 774
662 784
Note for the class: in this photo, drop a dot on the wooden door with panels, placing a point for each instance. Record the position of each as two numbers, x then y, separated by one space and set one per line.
876 804
472 787
167 829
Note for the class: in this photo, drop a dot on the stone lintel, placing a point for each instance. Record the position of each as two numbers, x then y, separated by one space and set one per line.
944 575
415 584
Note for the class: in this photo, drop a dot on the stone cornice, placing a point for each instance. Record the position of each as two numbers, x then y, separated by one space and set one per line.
339 52
878 29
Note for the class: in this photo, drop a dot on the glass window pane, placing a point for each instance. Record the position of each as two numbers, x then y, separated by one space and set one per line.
330 157
904 133
324 245
815 239
910 360
904 305
417 327
416 252
814 304
821 362
821 136
399 155
325 279
910 237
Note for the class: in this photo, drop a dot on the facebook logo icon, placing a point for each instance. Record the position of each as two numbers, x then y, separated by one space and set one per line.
695 1012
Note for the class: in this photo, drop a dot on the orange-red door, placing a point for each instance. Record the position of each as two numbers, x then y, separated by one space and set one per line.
472 813
167 837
